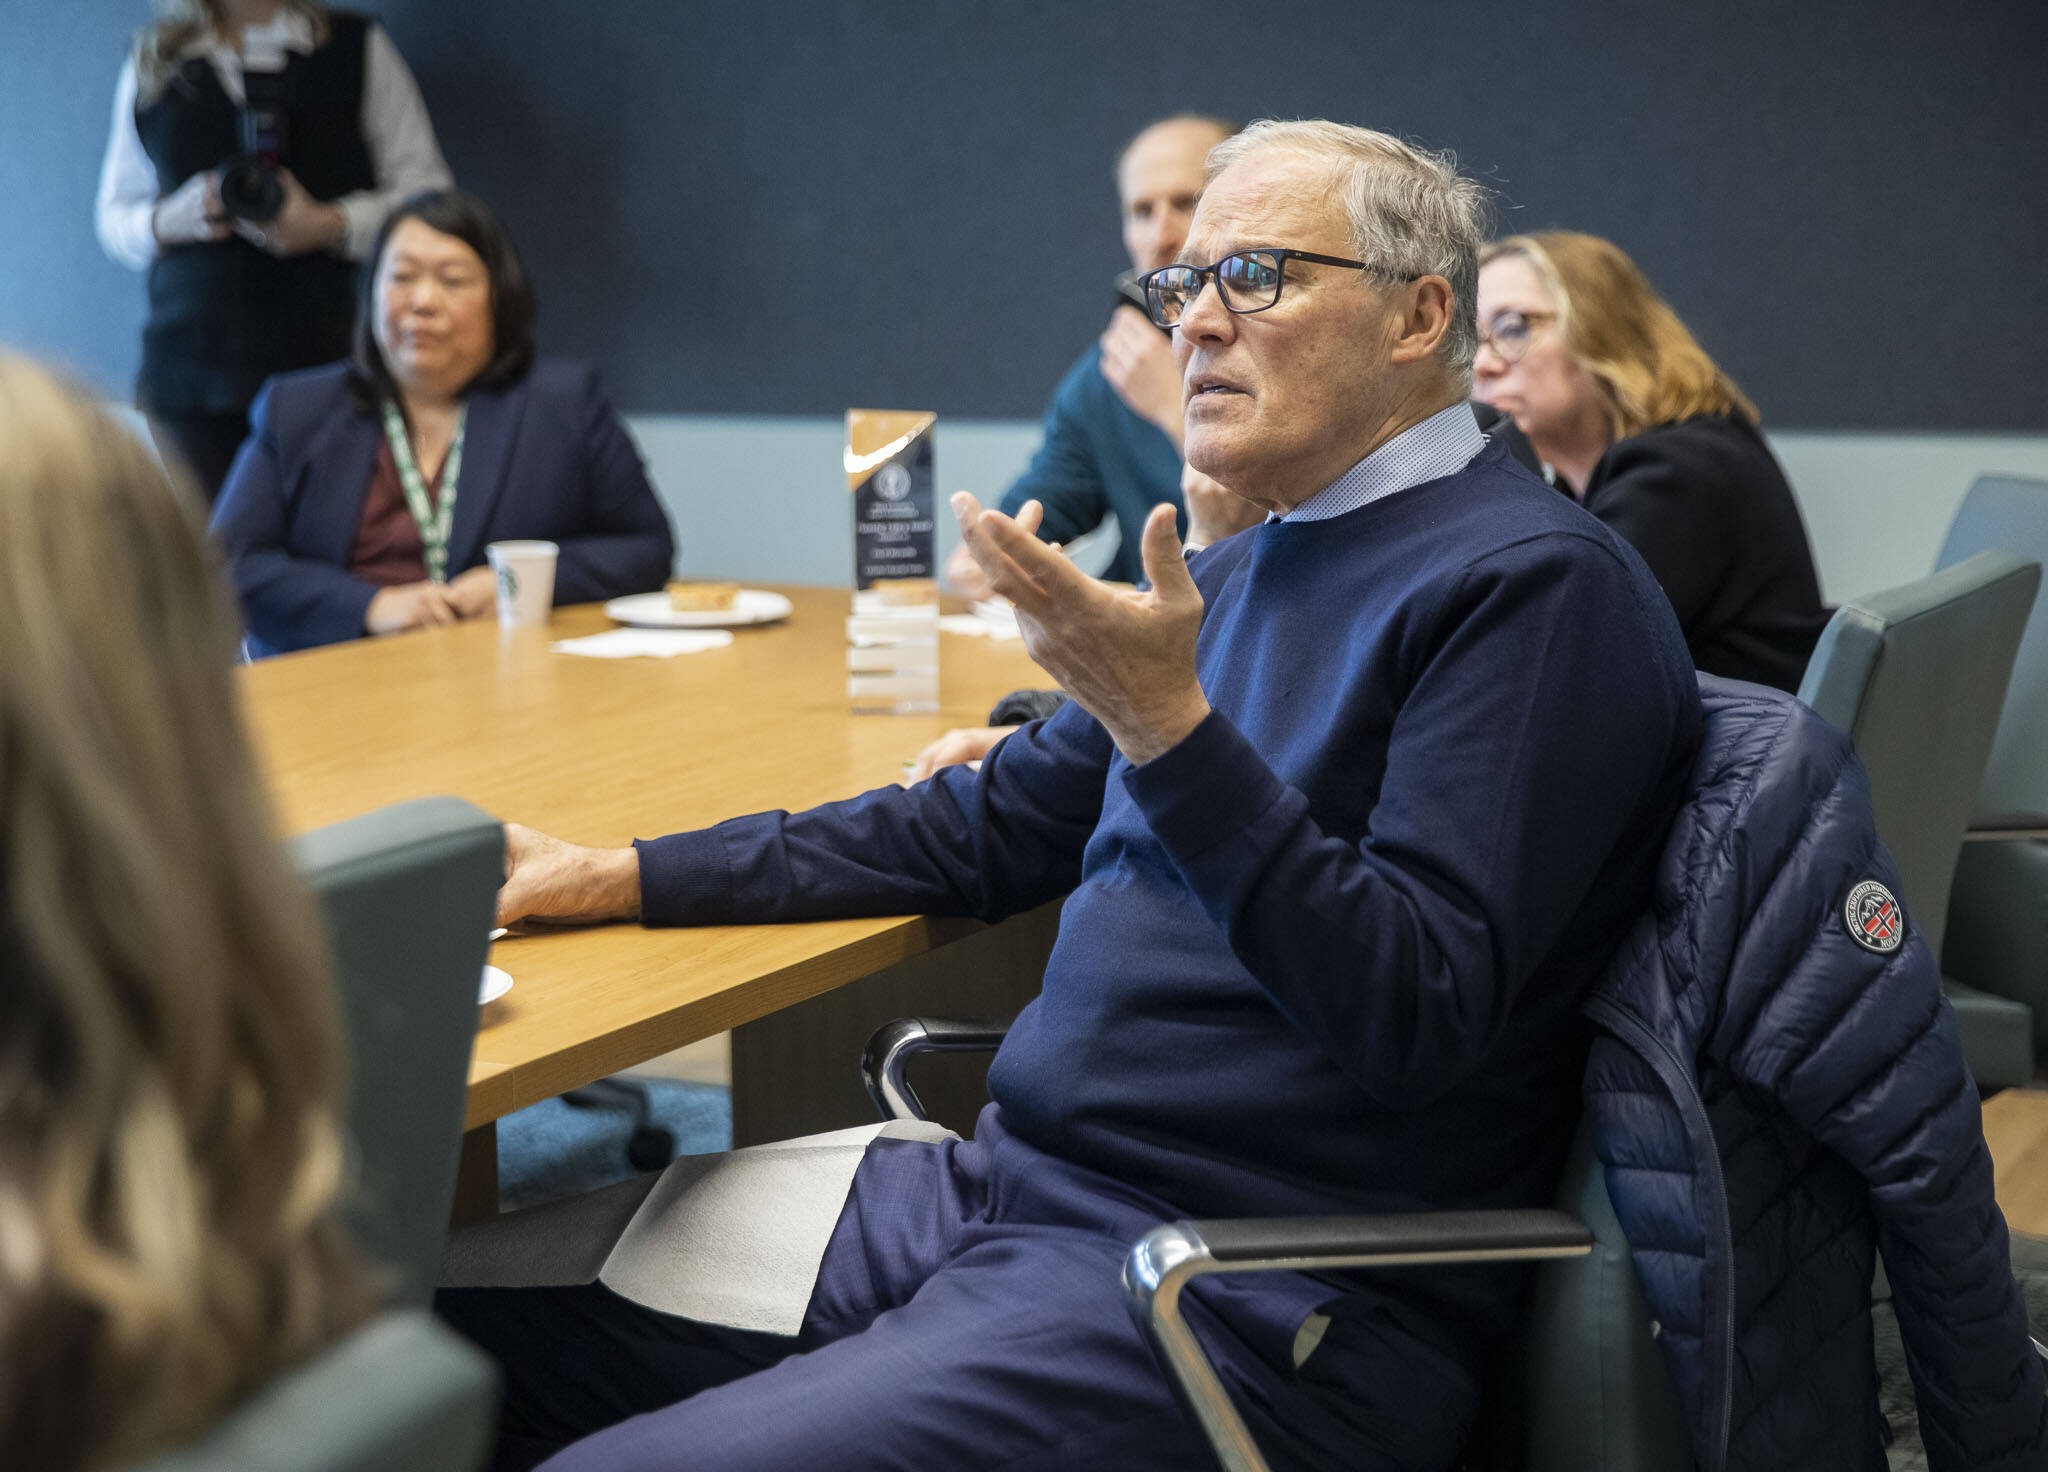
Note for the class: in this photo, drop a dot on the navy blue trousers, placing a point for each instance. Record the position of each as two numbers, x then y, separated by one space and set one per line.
968 1314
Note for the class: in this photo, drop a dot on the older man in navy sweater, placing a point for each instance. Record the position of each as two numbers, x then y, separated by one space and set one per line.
1352 808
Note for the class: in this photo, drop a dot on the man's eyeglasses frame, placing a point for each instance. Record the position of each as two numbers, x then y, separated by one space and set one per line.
1153 282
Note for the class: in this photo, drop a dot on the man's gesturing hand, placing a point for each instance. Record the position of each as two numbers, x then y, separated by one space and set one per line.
966 744
547 879
1128 657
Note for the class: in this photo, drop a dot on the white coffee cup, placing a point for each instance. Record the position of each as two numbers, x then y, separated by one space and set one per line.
526 582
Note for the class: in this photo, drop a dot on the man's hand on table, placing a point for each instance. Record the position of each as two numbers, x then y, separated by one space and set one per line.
547 879
1127 656
1137 359
966 744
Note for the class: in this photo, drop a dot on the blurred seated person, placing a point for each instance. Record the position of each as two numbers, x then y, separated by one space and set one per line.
1638 424
1112 433
368 489
169 1077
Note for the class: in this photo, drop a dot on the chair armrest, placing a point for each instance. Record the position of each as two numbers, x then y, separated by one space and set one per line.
401 1394
1255 1244
1997 936
2006 827
893 1043
1165 1259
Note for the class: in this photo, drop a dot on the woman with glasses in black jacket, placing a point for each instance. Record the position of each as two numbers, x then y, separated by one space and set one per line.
1637 422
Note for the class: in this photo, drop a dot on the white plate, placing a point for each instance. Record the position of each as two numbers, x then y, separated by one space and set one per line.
651 611
496 984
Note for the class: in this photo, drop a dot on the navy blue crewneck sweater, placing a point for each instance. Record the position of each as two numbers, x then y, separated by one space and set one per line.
1326 953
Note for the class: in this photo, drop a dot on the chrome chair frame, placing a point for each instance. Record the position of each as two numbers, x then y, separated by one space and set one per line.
1166 1259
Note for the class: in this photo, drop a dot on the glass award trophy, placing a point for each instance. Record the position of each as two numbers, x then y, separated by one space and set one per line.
892 639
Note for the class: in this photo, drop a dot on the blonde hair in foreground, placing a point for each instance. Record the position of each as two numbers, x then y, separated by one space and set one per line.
1627 336
169 1152
181 22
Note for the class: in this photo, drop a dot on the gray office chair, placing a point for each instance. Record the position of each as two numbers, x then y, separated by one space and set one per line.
1585 1389
409 892
401 1394
1916 676
1997 940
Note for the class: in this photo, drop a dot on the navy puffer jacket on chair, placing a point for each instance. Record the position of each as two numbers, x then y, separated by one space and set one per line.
1779 1092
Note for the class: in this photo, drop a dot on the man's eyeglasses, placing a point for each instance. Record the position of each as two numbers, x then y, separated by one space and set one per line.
1510 333
1247 280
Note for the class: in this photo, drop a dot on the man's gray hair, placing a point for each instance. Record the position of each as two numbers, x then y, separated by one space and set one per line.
1410 210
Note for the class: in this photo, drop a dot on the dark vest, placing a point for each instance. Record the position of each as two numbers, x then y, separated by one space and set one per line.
223 315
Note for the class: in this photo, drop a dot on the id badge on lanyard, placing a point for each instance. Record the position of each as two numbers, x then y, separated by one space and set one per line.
434 521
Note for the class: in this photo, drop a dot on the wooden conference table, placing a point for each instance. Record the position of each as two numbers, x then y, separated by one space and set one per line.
601 751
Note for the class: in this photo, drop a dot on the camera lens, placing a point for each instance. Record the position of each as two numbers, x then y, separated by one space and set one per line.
249 190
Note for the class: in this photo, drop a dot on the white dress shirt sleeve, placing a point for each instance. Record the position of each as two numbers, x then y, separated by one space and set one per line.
125 207
404 155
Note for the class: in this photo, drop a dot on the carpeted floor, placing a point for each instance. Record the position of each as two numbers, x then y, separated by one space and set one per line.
554 1149
1895 1387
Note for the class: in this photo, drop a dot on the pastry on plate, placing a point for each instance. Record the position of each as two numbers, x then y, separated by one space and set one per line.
702 597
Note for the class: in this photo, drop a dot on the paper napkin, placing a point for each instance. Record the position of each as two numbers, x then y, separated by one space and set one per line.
655 643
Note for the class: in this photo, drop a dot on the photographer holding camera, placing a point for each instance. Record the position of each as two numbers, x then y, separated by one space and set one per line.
256 147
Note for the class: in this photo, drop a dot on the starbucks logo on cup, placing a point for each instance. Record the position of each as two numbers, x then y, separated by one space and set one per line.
508 583
892 482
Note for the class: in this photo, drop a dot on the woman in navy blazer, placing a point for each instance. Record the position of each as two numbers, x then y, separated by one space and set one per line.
335 518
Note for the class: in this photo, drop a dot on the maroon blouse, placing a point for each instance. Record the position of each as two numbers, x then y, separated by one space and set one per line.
387 549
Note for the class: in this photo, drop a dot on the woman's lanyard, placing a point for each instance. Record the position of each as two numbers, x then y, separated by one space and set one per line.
434 520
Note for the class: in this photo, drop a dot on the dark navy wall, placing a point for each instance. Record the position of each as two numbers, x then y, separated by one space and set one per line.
792 207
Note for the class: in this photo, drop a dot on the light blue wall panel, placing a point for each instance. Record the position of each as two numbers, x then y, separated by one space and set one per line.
763 498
